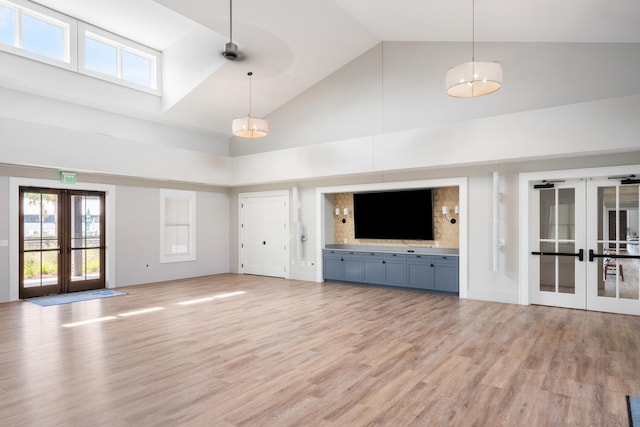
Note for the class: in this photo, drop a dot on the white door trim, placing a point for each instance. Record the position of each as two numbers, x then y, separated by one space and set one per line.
524 195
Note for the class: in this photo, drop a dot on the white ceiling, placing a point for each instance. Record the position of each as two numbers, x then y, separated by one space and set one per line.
292 44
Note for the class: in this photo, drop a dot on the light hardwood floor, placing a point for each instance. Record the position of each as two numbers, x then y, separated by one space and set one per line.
292 353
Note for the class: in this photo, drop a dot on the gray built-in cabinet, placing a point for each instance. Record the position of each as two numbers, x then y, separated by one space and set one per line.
419 271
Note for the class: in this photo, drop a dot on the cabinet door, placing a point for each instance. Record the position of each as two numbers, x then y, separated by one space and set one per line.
419 272
353 271
333 266
395 270
445 274
374 268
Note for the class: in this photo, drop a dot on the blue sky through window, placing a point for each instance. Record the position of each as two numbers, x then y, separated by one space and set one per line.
100 57
7 25
136 69
42 37
42 34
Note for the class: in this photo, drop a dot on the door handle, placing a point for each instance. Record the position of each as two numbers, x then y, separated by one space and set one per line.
579 254
593 255
264 243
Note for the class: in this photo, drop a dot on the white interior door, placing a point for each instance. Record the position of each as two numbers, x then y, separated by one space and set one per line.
264 221
274 241
557 236
252 230
613 212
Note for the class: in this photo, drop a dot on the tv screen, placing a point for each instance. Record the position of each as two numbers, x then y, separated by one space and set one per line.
401 215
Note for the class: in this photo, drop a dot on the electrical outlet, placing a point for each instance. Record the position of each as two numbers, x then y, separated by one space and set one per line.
4 243
437 243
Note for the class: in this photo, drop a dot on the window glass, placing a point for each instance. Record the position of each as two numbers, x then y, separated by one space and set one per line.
177 225
136 69
7 25
42 37
100 57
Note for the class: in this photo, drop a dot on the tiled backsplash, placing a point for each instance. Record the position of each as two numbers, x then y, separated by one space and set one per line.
445 232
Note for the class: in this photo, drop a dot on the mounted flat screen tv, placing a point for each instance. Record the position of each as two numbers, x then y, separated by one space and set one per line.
397 215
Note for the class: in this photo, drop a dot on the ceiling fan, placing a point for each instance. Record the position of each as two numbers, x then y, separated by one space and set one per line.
230 51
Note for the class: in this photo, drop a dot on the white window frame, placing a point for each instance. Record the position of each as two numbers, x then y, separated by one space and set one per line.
74 33
121 44
190 253
69 27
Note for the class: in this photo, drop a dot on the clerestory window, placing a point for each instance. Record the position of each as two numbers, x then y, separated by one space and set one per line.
30 30
36 32
114 58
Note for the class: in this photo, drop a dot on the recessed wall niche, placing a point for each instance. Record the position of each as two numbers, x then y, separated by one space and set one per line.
445 233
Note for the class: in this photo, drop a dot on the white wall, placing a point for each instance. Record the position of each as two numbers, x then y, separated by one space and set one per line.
138 237
399 86
483 283
137 228
43 132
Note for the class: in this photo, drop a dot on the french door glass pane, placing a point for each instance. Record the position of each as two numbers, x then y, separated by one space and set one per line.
547 268
40 234
42 37
7 25
547 214
630 268
32 269
618 218
567 269
557 233
567 213
85 264
85 235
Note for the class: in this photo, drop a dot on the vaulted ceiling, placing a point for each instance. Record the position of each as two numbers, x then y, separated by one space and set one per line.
291 45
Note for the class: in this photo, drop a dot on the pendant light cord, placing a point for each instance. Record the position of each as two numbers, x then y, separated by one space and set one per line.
230 20
249 74
473 31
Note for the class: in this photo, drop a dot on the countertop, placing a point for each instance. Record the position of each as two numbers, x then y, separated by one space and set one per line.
393 249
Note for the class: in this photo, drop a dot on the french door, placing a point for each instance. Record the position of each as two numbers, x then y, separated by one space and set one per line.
585 245
62 239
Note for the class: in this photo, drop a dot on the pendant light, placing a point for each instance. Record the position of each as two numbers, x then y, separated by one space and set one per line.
250 127
230 51
474 78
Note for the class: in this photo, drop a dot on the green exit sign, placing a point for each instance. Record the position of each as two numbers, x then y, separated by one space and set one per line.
68 177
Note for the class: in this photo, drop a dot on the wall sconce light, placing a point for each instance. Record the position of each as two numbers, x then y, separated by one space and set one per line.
345 213
445 212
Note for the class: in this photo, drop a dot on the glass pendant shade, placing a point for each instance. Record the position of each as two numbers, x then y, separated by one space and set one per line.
473 79
250 127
